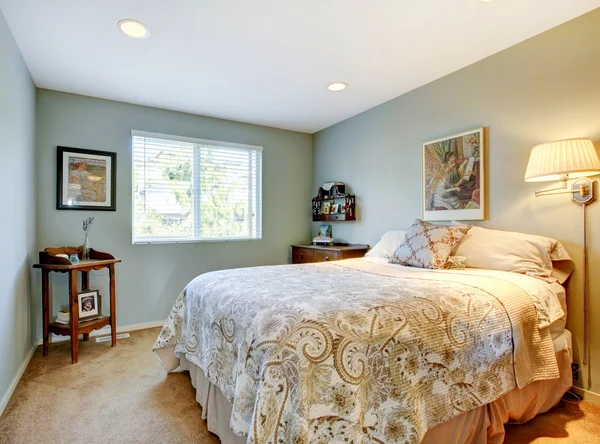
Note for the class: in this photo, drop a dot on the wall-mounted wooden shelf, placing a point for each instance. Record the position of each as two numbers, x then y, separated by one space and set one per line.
332 218
348 201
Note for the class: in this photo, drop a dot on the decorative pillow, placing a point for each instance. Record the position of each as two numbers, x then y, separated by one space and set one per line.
428 246
456 263
516 252
387 245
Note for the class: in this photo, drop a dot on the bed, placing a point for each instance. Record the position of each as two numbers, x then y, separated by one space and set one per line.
363 350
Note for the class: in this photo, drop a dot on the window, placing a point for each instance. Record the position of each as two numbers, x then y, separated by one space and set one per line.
187 190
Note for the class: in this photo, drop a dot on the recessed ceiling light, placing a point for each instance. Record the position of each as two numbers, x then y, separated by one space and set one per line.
337 86
134 29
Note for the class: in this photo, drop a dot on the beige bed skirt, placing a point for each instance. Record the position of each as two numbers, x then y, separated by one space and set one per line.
484 424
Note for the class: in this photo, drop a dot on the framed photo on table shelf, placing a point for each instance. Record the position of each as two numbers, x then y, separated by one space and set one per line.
86 179
90 305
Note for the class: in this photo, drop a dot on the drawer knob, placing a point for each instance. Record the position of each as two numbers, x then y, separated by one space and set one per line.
301 255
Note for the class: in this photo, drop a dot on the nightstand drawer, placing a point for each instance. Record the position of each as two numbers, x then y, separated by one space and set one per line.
302 255
324 256
305 254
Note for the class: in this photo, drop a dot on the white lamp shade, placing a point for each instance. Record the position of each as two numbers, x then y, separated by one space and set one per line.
552 161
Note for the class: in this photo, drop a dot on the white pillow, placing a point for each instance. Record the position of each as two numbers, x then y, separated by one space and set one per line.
510 251
387 245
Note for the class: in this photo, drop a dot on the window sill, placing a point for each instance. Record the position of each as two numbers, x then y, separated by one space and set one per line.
191 241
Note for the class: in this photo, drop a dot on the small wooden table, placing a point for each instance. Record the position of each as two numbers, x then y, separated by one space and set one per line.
49 262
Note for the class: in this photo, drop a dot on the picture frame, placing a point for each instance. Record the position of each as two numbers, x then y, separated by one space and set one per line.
86 179
326 208
325 230
89 303
454 177
335 208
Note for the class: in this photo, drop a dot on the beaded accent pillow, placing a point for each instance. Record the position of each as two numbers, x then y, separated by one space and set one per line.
427 245
456 263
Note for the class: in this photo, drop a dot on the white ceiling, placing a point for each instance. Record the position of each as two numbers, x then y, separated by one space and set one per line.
268 61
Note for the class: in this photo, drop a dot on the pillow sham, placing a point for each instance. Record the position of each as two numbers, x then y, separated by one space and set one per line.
427 245
515 252
387 245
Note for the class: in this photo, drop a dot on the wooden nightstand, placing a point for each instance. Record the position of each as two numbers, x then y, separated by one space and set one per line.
50 262
305 254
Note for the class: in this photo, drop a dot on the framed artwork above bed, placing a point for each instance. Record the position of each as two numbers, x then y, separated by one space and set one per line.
454 177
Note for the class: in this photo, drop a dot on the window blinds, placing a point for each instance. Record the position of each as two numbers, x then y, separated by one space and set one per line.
187 190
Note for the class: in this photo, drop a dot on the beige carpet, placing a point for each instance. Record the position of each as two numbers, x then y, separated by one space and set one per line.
122 395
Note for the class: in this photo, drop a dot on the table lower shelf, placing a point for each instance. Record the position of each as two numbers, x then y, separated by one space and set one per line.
84 327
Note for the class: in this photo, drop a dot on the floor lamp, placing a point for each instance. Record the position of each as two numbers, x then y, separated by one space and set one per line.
564 160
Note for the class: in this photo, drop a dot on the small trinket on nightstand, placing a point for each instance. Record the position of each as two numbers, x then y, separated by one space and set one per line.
74 259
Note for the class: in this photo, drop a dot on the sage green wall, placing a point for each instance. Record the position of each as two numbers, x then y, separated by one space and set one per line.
17 219
543 89
152 276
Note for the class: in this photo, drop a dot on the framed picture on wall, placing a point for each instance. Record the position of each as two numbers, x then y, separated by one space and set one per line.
86 179
454 177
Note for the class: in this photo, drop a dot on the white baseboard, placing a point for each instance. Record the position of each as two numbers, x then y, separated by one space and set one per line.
106 331
16 379
588 396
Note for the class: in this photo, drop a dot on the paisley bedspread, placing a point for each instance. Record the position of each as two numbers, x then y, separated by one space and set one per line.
355 352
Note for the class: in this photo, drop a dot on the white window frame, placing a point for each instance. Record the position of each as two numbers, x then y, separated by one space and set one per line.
186 240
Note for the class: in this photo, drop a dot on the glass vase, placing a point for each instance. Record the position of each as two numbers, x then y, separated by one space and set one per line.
85 249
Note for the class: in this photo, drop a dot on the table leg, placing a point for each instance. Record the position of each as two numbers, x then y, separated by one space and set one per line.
85 280
45 307
113 305
85 285
74 315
